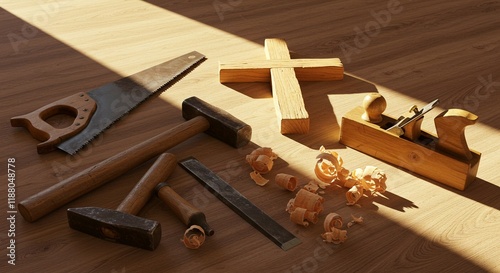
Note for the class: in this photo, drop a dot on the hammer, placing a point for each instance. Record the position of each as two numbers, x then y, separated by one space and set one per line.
121 225
200 116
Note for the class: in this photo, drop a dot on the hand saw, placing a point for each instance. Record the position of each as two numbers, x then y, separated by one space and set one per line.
98 109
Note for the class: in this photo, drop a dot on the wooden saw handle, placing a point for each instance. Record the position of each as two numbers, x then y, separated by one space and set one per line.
161 169
79 105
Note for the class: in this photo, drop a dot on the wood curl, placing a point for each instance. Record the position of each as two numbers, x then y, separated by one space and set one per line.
286 181
194 237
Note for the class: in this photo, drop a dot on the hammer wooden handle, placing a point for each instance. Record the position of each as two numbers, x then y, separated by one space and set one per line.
187 213
143 190
39 205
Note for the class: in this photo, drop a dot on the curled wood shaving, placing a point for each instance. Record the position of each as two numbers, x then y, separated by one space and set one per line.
305 207
332 220
308 200
194 237
261 161
286 181
354 194
329 167
300 215
335 236
371 178
259 180
333 232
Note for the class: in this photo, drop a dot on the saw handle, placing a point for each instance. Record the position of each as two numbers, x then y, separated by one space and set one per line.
79 105
185 211
161 169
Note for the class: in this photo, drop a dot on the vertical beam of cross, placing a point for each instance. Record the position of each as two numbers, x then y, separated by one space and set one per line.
284 74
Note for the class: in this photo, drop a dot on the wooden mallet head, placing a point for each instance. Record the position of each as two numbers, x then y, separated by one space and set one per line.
223 125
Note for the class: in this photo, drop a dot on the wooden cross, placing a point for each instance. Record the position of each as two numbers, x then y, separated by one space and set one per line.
284 74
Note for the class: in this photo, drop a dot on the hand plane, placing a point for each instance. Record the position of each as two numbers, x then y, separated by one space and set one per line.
445 158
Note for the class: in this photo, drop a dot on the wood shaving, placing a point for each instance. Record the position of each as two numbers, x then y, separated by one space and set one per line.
329 169
335 236
286 181
355 220
298 216
312 186
354 194
333 232
305 207
261 160
259 180
308 200
332 220
194 237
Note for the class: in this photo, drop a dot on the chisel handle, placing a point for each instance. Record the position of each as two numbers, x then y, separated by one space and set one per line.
161 169
46 201
185 211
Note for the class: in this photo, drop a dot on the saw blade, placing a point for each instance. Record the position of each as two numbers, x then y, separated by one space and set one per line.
116 99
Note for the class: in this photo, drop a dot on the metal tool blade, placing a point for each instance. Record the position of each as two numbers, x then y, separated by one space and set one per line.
239 204
397 128
116 99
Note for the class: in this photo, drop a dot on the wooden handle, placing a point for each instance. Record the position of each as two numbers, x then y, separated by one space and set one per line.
44 202
374 105
80 105
187 213
161 169
450 128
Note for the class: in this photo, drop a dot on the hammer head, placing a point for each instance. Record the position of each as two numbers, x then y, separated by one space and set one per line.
116 226
223 125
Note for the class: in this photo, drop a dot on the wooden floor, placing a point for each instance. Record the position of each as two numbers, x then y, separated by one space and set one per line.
411 52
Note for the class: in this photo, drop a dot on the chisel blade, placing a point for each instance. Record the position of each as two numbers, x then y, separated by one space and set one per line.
239 204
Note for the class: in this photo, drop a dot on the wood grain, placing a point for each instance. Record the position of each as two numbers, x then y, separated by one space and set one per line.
411 52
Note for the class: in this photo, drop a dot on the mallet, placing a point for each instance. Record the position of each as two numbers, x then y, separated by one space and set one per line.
121 225
200 116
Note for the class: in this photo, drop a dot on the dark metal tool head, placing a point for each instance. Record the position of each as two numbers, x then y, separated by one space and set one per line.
223 125
116 226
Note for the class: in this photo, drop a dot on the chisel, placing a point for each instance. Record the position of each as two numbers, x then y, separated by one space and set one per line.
239 204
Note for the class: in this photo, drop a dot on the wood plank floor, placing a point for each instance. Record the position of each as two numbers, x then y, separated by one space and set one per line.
411 52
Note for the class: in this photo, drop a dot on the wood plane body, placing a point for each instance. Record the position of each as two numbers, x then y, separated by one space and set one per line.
419 156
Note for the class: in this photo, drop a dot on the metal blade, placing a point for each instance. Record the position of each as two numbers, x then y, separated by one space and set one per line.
397 128
116 99
239 204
